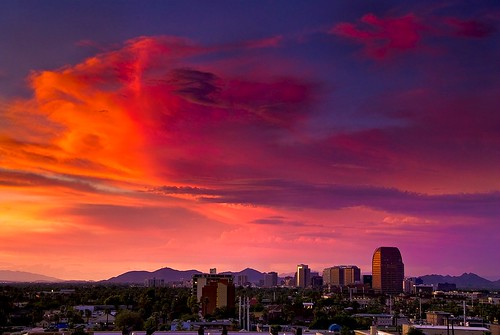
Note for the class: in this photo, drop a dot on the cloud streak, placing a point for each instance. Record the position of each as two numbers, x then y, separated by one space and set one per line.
333 197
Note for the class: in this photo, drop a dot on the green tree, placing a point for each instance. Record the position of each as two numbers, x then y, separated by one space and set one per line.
151 325
128 320
6 307
114 300
193 304
345 331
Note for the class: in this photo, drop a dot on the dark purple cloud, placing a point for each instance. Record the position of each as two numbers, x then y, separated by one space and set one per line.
278 220
281 193
21 179
470 28
194 85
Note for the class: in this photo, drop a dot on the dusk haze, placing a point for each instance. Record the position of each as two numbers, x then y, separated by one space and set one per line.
138 135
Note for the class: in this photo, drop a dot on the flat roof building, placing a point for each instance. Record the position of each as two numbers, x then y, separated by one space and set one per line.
446 330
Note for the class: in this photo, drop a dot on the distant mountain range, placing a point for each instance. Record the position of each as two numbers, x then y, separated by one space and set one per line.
7 276
253 275
464 281
167 274
171 275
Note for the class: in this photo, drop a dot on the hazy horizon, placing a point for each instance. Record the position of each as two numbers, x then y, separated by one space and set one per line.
282 274
270 133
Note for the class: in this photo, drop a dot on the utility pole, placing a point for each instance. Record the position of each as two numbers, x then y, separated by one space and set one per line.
248 313
420 309
464 314
239 312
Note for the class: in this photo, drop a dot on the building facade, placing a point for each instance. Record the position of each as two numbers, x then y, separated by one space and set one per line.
154 282
303 276
214 291
270 279
341 275
387 270
242 280
352 275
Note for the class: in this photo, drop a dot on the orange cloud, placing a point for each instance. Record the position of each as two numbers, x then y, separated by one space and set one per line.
78 154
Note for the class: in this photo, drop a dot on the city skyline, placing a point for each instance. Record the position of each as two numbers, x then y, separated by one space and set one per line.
188 134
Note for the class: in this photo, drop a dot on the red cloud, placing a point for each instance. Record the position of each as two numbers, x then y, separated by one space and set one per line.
386 37
382 37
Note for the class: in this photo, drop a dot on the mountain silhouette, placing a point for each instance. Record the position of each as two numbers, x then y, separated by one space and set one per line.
253 275
464 281
8 276
167 274
171 275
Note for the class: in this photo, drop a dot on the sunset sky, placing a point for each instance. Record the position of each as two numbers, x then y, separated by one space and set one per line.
136 135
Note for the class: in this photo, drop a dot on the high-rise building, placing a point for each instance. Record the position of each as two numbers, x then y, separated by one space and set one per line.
408 284
387 270
303 276
341 275
217 294
352 275
154 282
333 276
367 280
214 291
316 281
270 279
242 280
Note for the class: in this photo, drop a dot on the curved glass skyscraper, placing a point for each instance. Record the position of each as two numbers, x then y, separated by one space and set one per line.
388 270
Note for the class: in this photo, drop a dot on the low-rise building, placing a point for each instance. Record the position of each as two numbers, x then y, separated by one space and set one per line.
447 330
437 318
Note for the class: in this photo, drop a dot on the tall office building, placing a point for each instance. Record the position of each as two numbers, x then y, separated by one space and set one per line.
333 276
341 275
217 294
270 279
352 275
316 281
303 276
387 270
213 291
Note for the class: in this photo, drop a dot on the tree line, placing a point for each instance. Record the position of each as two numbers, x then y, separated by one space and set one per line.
151 309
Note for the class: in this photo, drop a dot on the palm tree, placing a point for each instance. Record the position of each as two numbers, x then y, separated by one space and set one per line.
107 311
205 305
88 314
